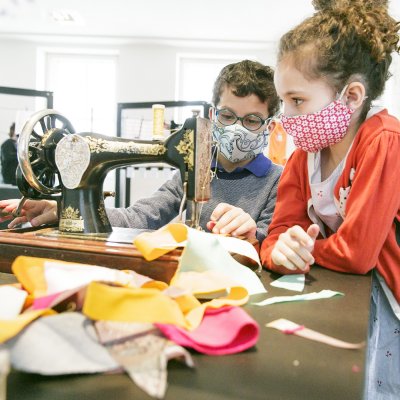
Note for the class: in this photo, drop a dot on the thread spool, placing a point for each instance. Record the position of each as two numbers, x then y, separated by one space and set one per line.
158 121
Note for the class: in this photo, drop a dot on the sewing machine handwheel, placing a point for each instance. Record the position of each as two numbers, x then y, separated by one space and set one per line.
24 187
36 147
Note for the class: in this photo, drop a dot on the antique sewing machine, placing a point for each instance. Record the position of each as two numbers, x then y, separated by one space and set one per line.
57 163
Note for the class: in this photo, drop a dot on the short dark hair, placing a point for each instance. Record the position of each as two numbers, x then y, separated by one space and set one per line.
246 78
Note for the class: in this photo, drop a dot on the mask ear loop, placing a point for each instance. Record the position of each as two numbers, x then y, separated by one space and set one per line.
266 133
342 92
212 172
344 89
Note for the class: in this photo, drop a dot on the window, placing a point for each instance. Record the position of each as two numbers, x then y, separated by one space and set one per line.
84 87
196 75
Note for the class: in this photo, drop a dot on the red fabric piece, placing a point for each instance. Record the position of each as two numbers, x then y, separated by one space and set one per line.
225 330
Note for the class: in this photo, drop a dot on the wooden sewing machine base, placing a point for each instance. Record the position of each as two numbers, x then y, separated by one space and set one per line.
46 243
115 251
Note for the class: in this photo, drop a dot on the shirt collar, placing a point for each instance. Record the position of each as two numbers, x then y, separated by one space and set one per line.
259 166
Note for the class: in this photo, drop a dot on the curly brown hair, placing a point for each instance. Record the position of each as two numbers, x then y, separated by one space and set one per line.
246 78
345 40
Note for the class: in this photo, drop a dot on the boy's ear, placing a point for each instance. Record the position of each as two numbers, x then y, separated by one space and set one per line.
355 94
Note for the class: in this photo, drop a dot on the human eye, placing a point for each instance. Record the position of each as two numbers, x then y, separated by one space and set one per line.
297 101
252 121
226 116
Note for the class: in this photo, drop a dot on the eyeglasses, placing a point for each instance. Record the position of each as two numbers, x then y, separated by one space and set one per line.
251 122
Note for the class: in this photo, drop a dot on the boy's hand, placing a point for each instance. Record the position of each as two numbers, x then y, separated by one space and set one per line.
293 250
227 219
37 212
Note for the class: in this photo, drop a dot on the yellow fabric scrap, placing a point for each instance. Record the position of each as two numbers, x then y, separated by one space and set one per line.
11 327
155 244
30 273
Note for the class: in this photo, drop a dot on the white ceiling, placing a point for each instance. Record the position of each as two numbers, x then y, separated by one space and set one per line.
210 20
256 21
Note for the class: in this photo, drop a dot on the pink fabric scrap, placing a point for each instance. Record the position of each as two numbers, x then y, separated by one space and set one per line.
44 301
75 295
294 330
225 330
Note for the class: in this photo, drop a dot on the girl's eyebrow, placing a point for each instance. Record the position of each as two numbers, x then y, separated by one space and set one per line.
292 92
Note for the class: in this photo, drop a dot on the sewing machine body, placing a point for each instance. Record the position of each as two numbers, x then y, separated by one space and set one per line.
71 167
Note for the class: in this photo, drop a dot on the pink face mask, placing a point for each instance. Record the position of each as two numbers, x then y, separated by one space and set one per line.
313 132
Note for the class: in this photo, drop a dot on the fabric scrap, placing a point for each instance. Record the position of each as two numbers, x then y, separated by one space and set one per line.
60 344
11 327
323 294
204 252
12 301
293 282
225 330
292 328
143 353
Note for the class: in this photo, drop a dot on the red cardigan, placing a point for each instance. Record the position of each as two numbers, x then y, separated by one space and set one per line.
367 236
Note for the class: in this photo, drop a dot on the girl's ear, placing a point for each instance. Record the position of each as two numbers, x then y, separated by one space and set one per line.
355 94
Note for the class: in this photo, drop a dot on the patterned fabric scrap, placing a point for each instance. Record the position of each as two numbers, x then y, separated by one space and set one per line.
143 353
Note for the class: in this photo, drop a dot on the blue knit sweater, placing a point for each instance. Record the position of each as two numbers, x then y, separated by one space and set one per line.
256 195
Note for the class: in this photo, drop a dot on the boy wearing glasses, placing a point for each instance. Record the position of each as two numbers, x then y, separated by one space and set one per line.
245 182
244 188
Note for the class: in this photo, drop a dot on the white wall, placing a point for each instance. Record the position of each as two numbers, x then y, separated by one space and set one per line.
147 71
17 67
16 70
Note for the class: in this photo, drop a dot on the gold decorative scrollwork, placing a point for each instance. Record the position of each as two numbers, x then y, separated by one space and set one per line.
98 145
102 213
186 147
71 221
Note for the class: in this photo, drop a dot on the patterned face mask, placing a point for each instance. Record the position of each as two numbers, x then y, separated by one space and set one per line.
237 143
313 132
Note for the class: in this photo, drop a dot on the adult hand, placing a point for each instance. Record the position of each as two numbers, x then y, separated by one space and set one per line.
293 250
37 212
227 219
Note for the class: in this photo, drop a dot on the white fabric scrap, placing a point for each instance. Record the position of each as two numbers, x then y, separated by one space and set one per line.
12 300
60 344
64 276
290 282
323 294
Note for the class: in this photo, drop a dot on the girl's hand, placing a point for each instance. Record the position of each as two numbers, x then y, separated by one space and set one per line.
37 212
227 219
293 250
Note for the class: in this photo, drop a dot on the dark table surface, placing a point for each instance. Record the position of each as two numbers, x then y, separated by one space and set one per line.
280 366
